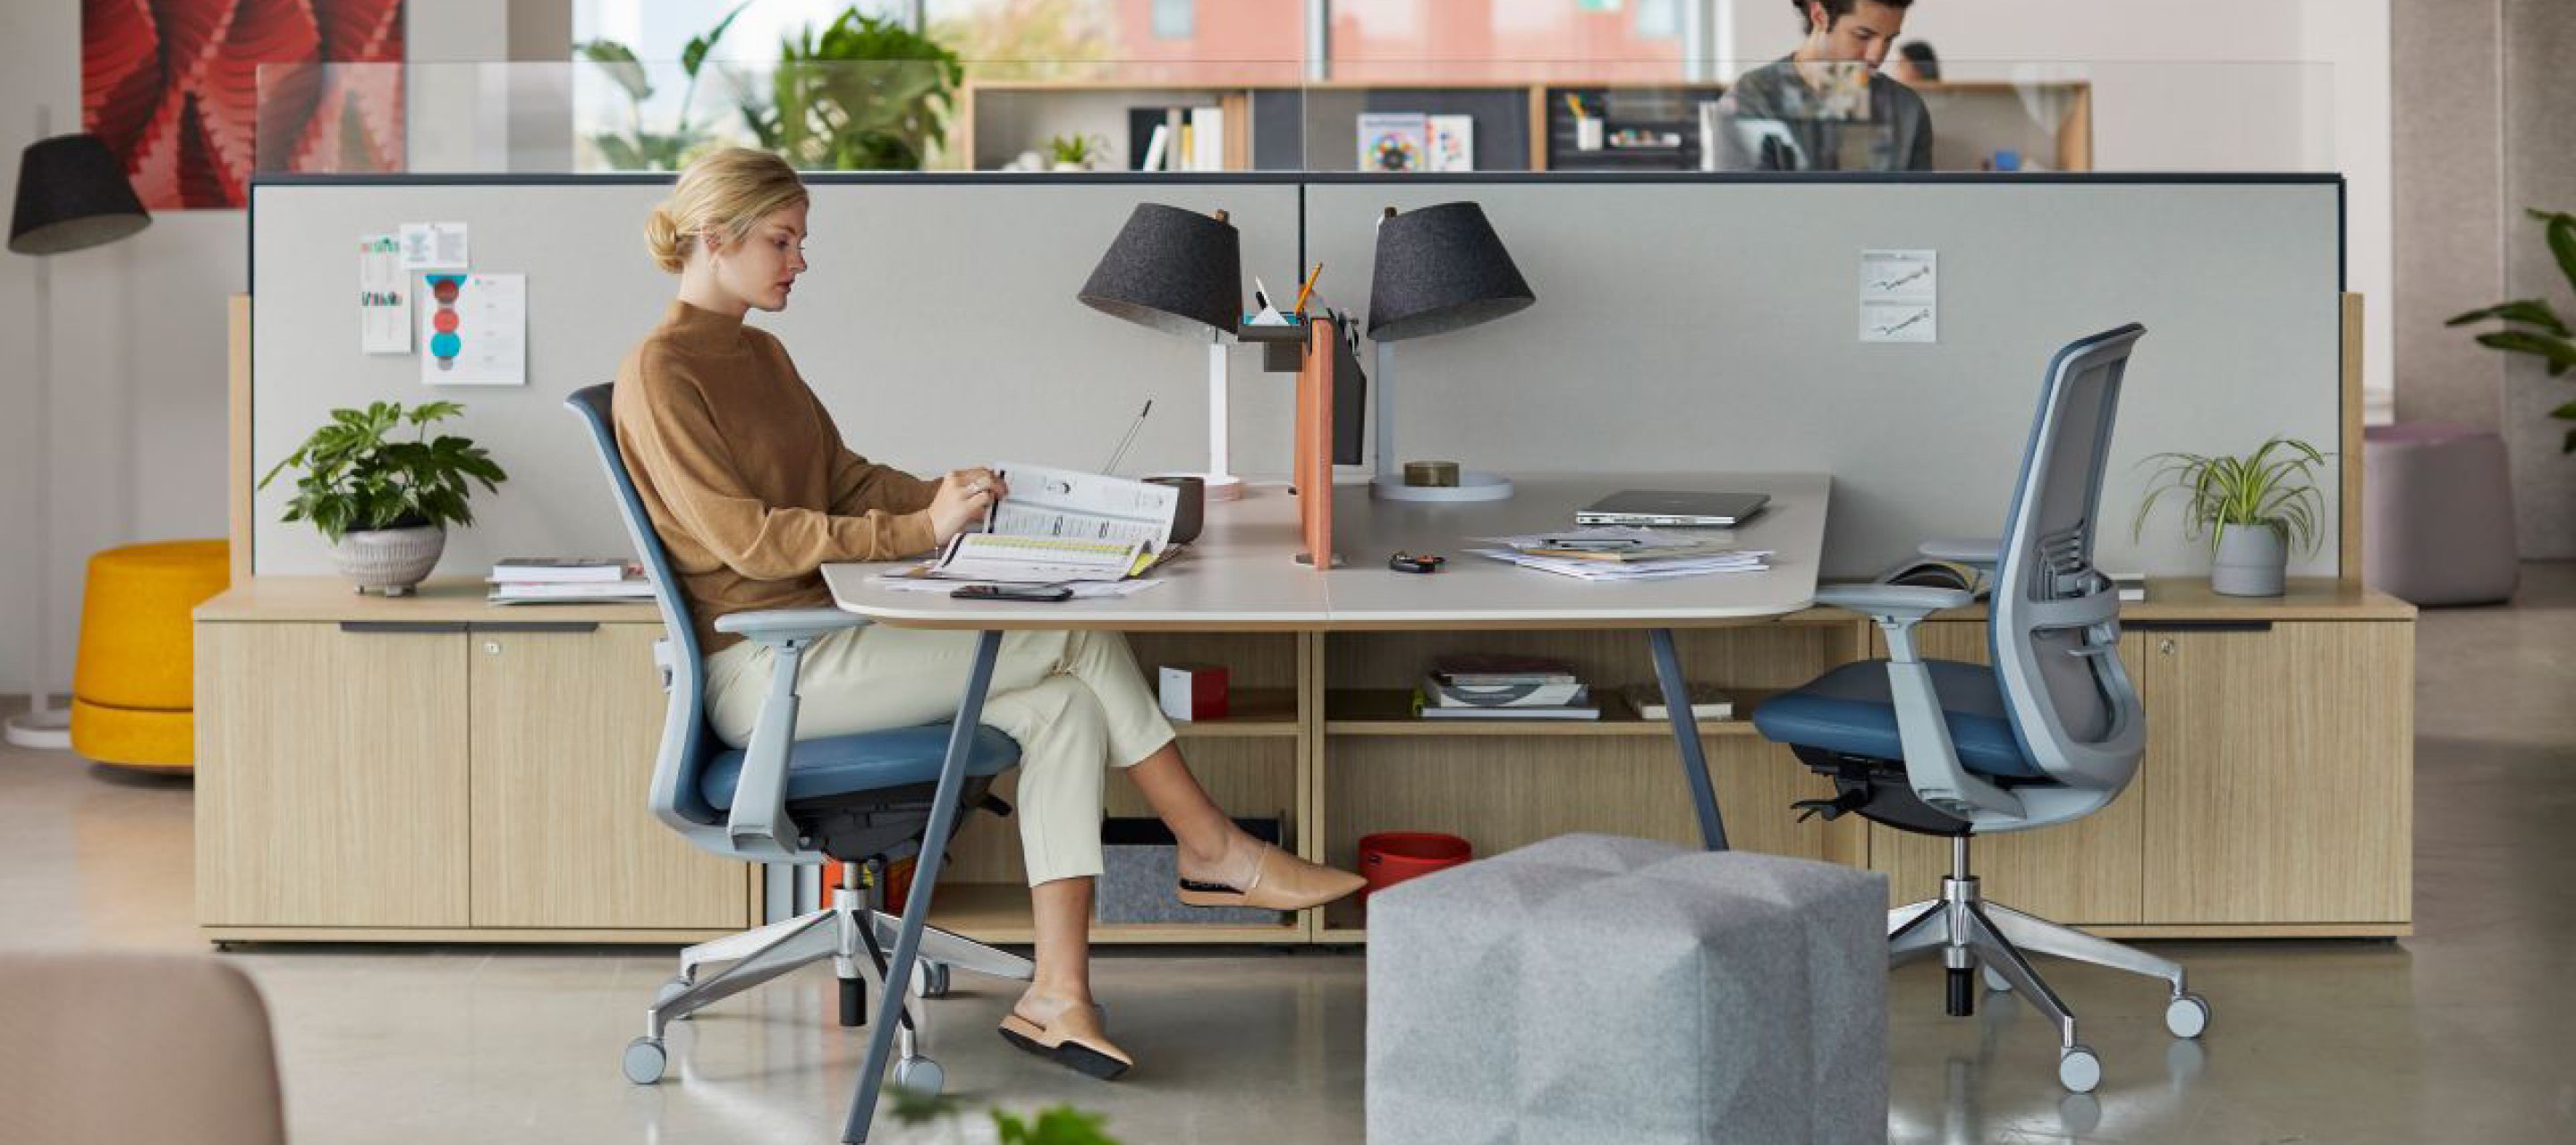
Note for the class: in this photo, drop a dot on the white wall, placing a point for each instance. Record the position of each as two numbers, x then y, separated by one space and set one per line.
137 425
2203 85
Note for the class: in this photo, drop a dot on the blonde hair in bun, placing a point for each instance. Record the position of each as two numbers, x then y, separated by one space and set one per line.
725 192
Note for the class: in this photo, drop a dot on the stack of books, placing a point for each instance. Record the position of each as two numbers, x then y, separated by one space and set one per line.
568 580
1484 687
1616 552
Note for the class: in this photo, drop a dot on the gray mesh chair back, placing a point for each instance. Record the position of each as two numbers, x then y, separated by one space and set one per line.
688 744
2055 628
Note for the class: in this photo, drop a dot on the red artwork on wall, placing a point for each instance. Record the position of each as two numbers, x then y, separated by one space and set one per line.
195 95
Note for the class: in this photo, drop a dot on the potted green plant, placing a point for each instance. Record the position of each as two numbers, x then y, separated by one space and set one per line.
2532 326
385 503
1076 152
864 94
2252 508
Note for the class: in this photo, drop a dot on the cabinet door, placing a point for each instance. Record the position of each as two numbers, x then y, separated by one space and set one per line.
567 725
2281 773
331 776
2079 873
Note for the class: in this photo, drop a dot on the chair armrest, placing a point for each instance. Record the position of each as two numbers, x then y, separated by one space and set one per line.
1892 601
1985 551
772 625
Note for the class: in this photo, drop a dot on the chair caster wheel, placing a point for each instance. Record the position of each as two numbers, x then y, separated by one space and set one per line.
920 1076
678 985
644 1061
929 979
2078 1070
2187 1015
1996 982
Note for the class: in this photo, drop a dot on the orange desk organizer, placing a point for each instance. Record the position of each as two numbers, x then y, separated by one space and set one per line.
1313 466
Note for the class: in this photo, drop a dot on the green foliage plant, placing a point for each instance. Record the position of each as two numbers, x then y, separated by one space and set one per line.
1079 150
1054 1125
2273 487
358 477
641 150
863 94
2532 326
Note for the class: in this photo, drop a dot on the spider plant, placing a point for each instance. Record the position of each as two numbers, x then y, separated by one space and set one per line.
2275 486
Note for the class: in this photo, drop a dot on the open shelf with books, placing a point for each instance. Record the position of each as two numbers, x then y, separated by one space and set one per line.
1433 125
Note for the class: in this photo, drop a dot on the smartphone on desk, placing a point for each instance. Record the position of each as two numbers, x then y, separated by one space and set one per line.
1029 593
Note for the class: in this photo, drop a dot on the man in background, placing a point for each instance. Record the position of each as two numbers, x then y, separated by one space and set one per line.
1825 107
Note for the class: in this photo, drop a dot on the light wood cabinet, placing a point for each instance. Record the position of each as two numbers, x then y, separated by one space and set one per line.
438 770
334 787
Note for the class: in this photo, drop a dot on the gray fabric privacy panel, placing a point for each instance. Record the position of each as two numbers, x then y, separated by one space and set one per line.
1680 325
1716 326
938 324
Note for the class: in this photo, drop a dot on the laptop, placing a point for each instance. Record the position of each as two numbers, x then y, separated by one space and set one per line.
1684 508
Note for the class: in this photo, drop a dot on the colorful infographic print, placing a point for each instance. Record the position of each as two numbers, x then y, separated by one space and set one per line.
476 330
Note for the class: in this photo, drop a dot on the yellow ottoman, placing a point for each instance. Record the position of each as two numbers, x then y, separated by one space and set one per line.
133 695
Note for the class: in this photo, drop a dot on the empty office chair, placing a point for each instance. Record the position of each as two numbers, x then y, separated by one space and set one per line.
2050 733
862 799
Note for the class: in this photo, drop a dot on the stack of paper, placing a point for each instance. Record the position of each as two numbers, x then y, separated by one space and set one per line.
1616 552
541 580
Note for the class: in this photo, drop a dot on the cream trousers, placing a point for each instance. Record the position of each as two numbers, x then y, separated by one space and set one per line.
1075 701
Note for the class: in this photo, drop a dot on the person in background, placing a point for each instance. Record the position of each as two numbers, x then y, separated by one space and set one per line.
1825 107
750 485
1915 63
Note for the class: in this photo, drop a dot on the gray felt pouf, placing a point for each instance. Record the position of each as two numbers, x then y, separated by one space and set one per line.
1598 989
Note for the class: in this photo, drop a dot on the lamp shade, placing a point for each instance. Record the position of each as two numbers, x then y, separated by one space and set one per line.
1177 271
1440 269
72 194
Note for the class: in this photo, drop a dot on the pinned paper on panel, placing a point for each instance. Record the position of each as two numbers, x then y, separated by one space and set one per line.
474 330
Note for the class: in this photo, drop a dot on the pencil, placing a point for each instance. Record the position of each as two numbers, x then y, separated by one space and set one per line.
1309 288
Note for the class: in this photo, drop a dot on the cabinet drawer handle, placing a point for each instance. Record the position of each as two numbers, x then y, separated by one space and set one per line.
574 626
402 627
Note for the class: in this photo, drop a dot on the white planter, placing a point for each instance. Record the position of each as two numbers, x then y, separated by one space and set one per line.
2253 560
389 561
1076 168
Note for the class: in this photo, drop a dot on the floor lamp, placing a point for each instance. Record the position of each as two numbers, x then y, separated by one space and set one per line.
1438 269
72 195
1180 272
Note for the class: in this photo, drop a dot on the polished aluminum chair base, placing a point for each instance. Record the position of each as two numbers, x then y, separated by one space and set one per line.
1972 933
846 932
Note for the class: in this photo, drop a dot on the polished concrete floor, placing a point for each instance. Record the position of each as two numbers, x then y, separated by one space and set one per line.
2466 1033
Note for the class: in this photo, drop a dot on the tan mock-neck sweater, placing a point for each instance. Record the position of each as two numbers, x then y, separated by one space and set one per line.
744 474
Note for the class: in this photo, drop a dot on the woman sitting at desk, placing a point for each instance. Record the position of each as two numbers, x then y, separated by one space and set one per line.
748 483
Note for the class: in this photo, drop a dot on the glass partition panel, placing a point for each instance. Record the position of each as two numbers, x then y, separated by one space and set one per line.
1396 116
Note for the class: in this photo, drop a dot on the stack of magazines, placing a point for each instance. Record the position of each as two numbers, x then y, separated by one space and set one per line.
568 580
1483 687
1615 552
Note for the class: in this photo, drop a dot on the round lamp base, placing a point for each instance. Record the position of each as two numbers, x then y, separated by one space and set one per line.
1470 487
1218 486
44 731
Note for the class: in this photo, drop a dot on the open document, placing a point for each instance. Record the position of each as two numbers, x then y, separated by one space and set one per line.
1058 527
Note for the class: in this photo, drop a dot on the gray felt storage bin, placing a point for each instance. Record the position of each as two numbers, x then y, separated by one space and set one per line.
1140 869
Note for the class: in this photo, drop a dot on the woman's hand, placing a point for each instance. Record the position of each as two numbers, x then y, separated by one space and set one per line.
963 498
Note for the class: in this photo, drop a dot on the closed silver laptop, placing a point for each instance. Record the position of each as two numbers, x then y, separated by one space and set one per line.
1676 508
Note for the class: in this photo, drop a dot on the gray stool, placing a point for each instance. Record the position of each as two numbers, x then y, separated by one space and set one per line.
2437 524
1597 989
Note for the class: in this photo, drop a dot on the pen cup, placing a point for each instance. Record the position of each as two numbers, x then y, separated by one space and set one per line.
1192 512
1587 133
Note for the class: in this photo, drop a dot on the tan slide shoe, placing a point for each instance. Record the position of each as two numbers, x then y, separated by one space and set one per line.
1072 1039
1280 881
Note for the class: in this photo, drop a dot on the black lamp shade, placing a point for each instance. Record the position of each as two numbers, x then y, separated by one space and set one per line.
72 194
1440 269
1177 271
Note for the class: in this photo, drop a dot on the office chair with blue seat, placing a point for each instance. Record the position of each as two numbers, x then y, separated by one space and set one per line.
2051 732
864 799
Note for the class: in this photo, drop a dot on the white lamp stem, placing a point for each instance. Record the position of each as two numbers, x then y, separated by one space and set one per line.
1383 408
40 419
1219 460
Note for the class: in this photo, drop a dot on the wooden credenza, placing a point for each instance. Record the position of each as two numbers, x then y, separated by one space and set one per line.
436 769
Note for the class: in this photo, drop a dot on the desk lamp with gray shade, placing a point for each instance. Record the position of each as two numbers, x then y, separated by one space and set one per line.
72 195
1439 269
1180 272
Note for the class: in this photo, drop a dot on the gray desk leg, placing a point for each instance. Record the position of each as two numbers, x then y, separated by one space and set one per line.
1668 672
916 906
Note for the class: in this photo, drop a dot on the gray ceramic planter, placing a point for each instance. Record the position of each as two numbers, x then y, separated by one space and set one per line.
2253 560
389 561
